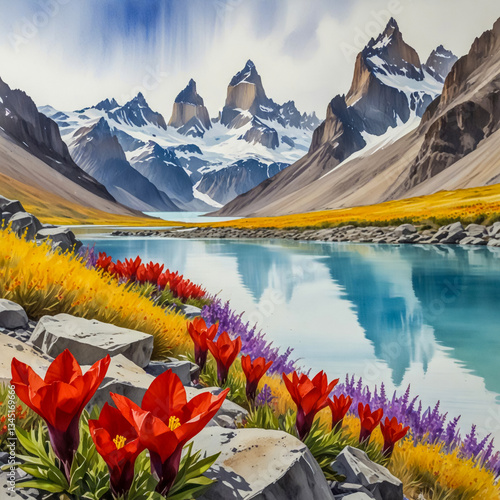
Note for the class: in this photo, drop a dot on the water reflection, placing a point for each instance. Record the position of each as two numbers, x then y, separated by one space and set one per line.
423 315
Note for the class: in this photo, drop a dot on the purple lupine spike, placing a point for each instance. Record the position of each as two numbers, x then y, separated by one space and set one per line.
265 396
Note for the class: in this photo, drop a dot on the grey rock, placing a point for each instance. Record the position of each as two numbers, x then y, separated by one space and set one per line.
340 489
288 471
405 229
12 315
190 311
360 495
90 340
355 465
11 206
471 240
411 238
25 223
183 369
454 237
494 243
494 230
476 230
61 237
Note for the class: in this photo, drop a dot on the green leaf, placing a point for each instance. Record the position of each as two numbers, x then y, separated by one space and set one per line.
41 485
26 442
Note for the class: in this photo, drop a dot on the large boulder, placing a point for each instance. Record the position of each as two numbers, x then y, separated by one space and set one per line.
12 315
10 206
61 237
454 233
261 465
23 223
90 340
405 230
184 369
494 230
355 465
476 230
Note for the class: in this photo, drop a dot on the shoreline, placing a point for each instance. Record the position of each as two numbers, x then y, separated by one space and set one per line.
454 234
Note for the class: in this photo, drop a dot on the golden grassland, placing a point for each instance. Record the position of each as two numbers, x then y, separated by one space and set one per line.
54 209
44 282
464 204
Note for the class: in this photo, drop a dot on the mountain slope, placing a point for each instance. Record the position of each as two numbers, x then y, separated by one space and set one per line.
390 92
98 151
454 146
21 122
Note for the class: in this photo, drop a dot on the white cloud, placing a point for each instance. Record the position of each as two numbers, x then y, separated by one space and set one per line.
302 52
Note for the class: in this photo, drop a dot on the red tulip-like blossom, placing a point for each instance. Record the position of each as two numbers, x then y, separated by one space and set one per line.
200 334
369 421
117 441
225 351
339 407
149 272
128 269
392 431
59 398
169 278
104 261
310 396
254 371
166 421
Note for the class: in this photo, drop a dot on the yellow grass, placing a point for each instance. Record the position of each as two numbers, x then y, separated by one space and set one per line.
54 209
460 204
44 282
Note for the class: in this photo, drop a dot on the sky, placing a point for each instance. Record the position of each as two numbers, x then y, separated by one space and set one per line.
73 53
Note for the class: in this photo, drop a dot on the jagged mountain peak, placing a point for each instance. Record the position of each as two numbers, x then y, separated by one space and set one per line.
137 112
248 74
107 104
189 95
440 62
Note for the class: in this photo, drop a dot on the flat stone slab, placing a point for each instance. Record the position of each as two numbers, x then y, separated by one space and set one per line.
260 464
90 340
12 315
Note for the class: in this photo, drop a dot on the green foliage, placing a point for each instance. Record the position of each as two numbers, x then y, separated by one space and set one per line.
236 383
89 476
324 444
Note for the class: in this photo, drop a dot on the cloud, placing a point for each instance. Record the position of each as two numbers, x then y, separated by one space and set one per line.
73 53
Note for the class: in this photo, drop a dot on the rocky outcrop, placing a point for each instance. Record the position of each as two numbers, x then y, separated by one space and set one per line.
40 136
189 113
465 115
90 340
99 153
261 464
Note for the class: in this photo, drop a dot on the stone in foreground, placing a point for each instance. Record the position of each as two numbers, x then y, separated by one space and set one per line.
182 368
12 315
355 465
61 237
90 340
260 464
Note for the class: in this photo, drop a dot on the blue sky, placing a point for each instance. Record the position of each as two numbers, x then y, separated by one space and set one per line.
72 53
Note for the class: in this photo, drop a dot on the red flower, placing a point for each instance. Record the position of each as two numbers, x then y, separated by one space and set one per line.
168 278
225 351
103 261
166 421
339 407
128 269
392 431
310 396
117 441
59 398
369 421
200 334
149 273
254 371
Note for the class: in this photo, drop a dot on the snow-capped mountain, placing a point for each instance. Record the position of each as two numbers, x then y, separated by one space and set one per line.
194 163
389 94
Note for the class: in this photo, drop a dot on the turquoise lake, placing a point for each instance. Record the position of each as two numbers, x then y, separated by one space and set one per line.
427 316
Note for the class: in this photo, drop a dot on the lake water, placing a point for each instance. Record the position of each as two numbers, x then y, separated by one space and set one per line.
190 217
421 315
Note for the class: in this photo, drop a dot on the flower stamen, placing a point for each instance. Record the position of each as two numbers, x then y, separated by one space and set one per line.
119 441
174 423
